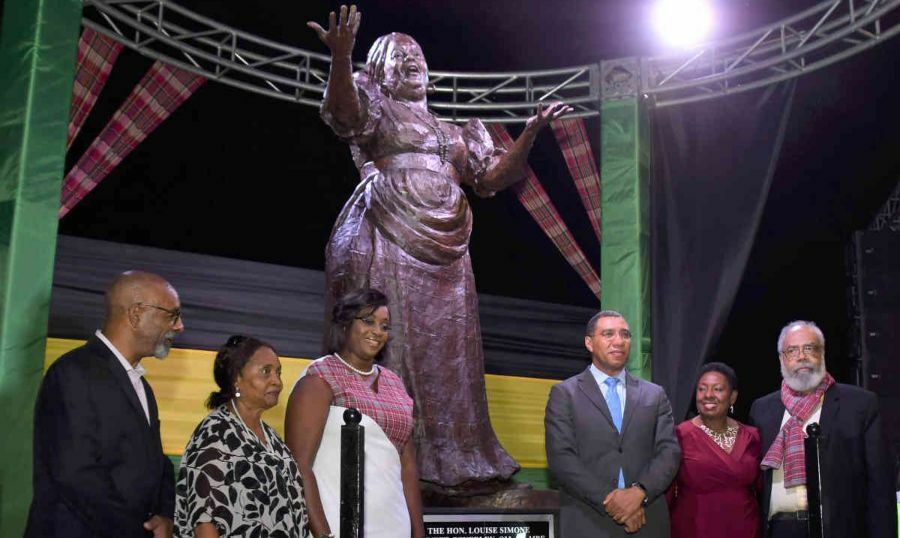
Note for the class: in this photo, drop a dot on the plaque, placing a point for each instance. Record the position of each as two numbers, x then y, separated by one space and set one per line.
449 523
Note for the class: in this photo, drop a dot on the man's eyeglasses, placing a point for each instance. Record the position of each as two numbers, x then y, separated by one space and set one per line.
609 334
174 313
793 352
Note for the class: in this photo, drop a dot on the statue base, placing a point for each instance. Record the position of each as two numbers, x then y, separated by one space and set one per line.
509 510
492 495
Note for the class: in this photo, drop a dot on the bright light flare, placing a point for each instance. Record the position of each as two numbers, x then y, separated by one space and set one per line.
682 23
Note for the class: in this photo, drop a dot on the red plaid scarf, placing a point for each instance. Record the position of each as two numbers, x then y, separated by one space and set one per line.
788 445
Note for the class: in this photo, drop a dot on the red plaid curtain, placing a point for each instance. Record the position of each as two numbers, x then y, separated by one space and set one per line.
162 90
576 148
96 56
537 202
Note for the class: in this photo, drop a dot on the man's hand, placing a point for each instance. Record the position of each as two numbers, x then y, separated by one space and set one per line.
622 504
635 522
160 525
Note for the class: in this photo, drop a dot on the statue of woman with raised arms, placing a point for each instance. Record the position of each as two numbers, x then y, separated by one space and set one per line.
405 230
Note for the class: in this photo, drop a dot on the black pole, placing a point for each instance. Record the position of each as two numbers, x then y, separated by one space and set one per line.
353 449
813 481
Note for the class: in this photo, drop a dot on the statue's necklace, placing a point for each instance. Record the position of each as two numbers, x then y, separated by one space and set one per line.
433 124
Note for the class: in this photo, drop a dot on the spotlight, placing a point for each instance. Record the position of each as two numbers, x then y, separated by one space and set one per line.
682 23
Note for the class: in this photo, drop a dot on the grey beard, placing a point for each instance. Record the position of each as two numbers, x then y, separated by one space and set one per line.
164 346
803 381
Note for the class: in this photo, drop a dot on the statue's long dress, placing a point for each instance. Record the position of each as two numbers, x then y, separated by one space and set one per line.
405 231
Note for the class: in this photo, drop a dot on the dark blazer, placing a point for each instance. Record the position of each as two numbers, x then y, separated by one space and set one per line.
585 453
99 468
857 471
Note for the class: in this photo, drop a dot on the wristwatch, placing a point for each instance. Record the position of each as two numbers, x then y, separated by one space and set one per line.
646 500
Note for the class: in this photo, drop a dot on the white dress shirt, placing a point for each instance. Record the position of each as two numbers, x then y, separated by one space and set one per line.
134 374
600 378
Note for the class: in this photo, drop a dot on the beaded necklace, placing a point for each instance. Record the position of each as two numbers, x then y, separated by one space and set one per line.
433 124
725 439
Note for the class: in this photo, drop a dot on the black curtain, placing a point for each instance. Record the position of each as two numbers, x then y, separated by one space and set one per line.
713 164
286 307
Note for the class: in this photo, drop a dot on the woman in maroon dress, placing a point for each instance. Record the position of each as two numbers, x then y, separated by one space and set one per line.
714 493
405 230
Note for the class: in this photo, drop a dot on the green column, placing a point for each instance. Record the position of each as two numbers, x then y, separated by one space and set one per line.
37 61
624 173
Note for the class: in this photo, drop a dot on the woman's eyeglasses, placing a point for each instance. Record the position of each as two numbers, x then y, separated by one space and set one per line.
369 321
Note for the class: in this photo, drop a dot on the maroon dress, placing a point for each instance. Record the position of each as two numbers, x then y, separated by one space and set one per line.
714 493
405 231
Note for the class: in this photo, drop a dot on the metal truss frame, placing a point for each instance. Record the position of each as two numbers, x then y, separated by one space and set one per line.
165 31
888 217
815 38
824 34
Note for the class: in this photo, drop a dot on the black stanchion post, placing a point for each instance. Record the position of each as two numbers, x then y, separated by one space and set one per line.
813 481
353 449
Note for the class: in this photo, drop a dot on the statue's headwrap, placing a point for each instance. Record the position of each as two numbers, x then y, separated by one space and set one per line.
377 56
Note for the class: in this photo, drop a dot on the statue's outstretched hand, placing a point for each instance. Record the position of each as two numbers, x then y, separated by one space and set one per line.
546 114
341 34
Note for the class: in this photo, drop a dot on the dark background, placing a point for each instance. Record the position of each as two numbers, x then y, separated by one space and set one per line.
239 175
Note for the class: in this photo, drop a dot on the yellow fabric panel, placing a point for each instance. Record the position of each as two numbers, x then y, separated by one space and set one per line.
516 406
183 381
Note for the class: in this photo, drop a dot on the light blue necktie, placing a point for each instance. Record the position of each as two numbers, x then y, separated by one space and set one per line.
615 409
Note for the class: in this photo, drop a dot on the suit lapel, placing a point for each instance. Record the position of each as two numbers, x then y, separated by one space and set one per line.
633 390
830 405
771 423
151 405
121 376
588 385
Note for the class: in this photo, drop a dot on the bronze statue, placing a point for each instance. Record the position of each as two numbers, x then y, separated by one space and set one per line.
405 230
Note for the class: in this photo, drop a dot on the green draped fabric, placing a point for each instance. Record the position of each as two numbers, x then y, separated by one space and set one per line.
37 59
625 249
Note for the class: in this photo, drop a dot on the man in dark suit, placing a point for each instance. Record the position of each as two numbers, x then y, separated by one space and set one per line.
611 444
856 471
99 468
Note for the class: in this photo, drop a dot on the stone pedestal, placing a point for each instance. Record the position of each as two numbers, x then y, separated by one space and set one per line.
516 498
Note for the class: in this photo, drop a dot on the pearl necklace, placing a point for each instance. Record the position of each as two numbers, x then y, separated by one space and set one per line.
725 439
357 370
434 125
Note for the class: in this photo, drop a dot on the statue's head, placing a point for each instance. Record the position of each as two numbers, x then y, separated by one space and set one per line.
396 63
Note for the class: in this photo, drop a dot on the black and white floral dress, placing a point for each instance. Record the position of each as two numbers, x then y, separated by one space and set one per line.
228 477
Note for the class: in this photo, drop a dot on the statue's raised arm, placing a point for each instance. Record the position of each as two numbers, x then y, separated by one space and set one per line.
511 166
341 98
